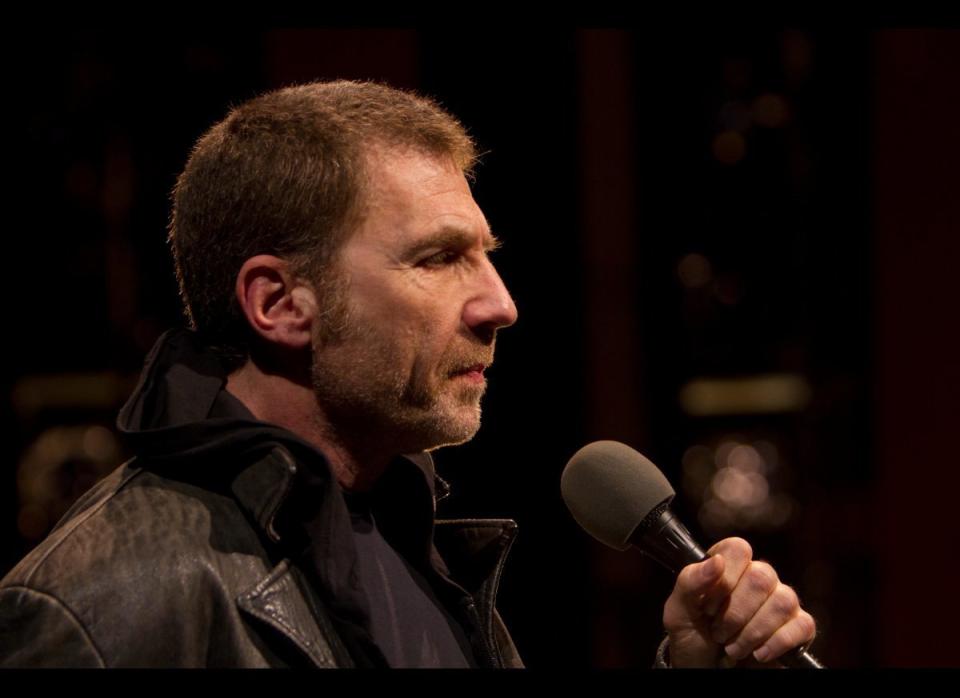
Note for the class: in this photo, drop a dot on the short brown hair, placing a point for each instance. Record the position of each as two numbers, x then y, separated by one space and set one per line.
283 174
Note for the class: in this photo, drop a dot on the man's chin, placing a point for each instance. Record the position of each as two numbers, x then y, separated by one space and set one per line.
450 429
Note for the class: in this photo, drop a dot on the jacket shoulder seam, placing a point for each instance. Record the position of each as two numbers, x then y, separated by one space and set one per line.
67 612
72 526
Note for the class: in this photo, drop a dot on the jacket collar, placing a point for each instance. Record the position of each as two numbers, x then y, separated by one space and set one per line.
178 424
180 416
468 555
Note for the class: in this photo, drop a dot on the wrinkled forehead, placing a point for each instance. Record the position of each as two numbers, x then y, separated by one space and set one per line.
383 163
410 189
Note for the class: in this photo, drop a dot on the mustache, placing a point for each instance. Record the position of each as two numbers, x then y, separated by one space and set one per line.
469 359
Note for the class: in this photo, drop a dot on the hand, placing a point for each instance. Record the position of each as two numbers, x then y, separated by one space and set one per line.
729 607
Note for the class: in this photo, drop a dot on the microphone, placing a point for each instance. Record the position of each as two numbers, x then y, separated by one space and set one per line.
622 499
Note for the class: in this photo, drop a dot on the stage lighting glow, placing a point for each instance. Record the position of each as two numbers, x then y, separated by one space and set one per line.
694 270
770 110
761 394
745 458
729 147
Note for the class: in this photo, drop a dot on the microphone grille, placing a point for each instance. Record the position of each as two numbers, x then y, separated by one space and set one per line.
610 489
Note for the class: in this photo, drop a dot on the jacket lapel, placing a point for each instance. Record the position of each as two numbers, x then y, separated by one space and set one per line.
473 552
280 602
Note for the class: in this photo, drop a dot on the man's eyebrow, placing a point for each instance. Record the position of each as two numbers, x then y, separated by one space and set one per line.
452 237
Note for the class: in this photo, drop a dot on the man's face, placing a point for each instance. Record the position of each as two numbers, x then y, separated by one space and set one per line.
422 303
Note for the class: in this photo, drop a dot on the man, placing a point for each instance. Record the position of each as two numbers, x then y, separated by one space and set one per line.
334 267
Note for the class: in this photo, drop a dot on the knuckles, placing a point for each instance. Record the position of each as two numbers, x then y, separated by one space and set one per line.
800 631
751 638
808 627
761 577
689 581
734 547
730 605
785 601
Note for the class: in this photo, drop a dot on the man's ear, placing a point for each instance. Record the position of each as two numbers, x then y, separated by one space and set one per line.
277 306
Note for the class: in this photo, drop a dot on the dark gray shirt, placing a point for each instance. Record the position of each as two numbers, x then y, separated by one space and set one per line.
407 621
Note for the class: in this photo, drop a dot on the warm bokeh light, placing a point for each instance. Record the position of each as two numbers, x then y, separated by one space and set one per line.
740 490
729 147
694 270
698 469
766 393
732 486
58 466
106 390
770 110
746 458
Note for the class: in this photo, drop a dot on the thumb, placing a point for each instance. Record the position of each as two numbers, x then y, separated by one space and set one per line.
694 581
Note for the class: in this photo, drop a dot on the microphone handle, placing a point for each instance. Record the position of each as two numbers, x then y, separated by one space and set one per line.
665 539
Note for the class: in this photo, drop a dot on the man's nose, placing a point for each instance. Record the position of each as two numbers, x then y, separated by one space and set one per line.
491 307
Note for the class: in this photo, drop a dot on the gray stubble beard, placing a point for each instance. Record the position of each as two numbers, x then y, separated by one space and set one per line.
403 411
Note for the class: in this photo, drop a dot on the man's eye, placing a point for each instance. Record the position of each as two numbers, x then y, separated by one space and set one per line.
440 259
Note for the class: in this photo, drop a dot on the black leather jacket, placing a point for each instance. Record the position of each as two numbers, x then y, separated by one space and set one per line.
222 546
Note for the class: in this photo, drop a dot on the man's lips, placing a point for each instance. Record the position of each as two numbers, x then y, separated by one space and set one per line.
474 371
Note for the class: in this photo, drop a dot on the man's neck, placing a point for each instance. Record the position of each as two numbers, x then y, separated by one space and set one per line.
278 400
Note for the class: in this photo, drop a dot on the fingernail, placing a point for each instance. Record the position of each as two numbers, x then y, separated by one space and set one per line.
733 650
761 654
709 569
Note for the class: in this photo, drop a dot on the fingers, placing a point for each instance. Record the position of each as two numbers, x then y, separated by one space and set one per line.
777 625
753 590
702 588
735 605
799 631
737 554
685 605
684 619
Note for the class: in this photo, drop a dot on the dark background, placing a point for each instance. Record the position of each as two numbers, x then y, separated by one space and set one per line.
776 208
